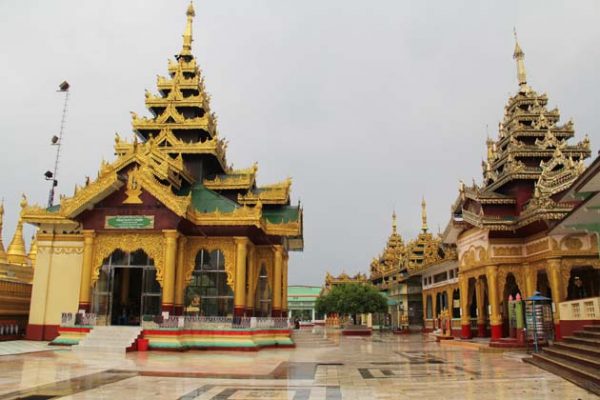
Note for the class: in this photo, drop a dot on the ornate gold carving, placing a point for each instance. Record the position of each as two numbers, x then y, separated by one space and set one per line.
227 247
537 247
60 250
240 216
508 251
572 243
151 243
134 189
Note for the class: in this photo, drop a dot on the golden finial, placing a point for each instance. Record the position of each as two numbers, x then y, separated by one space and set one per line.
424 215
187 34
520 57
16 253
2 251
394 222
33 250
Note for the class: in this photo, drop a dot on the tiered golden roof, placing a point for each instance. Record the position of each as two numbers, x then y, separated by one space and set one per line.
178 158
531 155
344 278
390 260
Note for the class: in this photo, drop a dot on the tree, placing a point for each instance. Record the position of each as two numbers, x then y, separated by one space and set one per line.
352 299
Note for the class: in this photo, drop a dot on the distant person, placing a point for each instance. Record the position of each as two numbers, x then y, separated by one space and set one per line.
579 291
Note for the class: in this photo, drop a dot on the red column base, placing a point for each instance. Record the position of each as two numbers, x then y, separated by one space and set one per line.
276 313
557 335
170 308
249 312
496 332
178 310
41 332
84 306
481 330
465 332
238 311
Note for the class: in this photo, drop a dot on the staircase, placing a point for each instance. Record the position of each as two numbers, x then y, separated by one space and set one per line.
576 358
113 340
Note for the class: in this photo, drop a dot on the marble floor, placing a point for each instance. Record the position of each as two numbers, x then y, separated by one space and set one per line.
322 366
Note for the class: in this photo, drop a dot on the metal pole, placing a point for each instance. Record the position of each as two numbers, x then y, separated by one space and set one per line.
54 182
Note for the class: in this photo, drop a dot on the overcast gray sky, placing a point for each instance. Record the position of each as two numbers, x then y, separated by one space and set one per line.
368 105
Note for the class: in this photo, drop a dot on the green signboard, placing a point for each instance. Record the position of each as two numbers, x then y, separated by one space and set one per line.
129 222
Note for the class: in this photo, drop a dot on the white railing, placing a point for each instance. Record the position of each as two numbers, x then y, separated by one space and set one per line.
582 309
78 319
202 322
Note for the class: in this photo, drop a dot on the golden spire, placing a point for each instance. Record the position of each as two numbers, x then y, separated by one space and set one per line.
187 34
16 253
2 252
424 215
394 223
520 57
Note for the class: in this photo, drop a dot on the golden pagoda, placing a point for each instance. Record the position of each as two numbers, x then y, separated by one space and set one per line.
15 284
174 212
502 227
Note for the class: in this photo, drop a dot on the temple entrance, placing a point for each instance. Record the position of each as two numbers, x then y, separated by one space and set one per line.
126 290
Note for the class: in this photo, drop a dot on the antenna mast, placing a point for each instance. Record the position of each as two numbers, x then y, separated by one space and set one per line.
57 141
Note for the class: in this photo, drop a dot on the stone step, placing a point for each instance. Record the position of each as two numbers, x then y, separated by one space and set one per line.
565 371
595 328
593 351
571 356
108 339
575 372
581 340
588 334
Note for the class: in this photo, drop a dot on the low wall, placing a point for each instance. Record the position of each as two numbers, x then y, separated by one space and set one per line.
179 339
233 339
575 314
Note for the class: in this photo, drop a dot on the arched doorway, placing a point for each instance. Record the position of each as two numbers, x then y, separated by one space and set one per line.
127 289
511 289
583 282
208 293
263 295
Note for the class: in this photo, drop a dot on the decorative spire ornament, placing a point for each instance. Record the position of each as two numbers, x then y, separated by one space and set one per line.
394 223
519 56
2 251
16 253
187 33
424 215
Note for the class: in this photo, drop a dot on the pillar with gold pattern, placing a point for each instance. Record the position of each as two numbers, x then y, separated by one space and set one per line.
239 294
479 297
530 277
180 277
168 295
277 270
284 286
491 272
465 318
251 275
554 279
85 288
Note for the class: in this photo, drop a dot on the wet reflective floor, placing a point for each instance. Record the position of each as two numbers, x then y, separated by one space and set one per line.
322 366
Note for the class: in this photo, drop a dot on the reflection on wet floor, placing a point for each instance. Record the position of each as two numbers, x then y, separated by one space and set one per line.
389 367
69 386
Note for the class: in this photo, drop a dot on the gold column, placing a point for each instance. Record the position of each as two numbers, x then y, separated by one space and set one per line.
554 278
180 276
278 249
252 274
480 302
491 272
168 294
284 286
239 294
530 278
465 318
85 289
